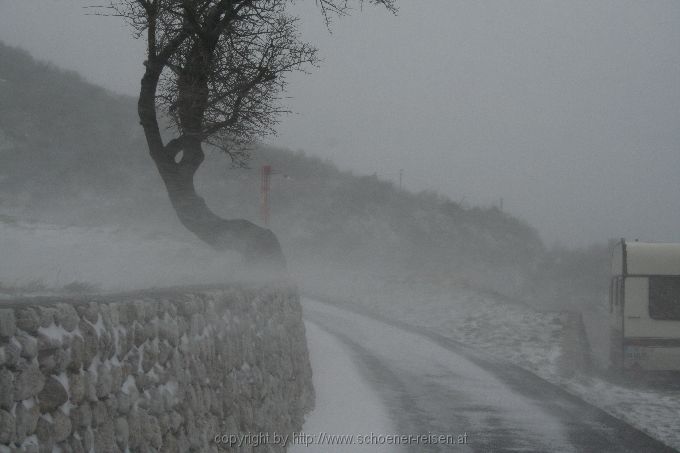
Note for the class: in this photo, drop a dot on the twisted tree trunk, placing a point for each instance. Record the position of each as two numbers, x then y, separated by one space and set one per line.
259 246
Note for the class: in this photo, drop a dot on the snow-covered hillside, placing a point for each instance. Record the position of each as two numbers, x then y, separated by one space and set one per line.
43 257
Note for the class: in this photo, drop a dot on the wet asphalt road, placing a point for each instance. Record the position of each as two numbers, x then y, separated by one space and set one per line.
433 385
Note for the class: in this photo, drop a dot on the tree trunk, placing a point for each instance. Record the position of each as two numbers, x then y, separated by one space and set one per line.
259 246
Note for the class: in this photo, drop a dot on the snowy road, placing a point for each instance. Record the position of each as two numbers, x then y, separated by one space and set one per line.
428 389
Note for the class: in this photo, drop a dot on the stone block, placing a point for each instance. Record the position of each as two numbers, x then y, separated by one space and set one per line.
90 386
100 414
104 439
87 437
106 347
8 326
46 316
139 334
76 445
151 432
6 389
124 403
90 342
26 420
91 312
27 319
104 381
28 383
7 427
81 415
52 395
62 426
47 342
67 317
122 432
45 432
76 387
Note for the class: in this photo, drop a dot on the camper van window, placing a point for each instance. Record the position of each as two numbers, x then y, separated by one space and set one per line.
664 298
618 292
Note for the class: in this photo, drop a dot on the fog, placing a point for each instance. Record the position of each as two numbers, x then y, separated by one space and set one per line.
567 111
443 147
445 191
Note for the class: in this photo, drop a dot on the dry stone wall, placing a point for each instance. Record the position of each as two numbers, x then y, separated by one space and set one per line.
155 371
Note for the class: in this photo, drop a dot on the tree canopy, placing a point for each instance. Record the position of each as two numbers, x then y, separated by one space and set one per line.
219 66
216 69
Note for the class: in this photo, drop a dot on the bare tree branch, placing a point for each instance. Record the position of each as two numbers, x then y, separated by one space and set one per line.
216 69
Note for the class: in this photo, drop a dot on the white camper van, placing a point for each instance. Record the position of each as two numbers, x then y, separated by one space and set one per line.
644 306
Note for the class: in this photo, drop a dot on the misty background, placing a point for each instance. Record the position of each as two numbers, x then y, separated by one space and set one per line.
567 110
462 167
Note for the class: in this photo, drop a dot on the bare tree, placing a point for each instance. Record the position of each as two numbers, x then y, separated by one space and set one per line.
216 69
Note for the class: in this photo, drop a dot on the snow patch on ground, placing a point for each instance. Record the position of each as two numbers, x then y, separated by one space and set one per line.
345 403
110 258
654 411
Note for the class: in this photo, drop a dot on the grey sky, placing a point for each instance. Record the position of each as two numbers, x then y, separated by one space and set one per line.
569 110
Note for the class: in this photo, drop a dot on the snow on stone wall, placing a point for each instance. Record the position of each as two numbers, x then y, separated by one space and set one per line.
152 371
